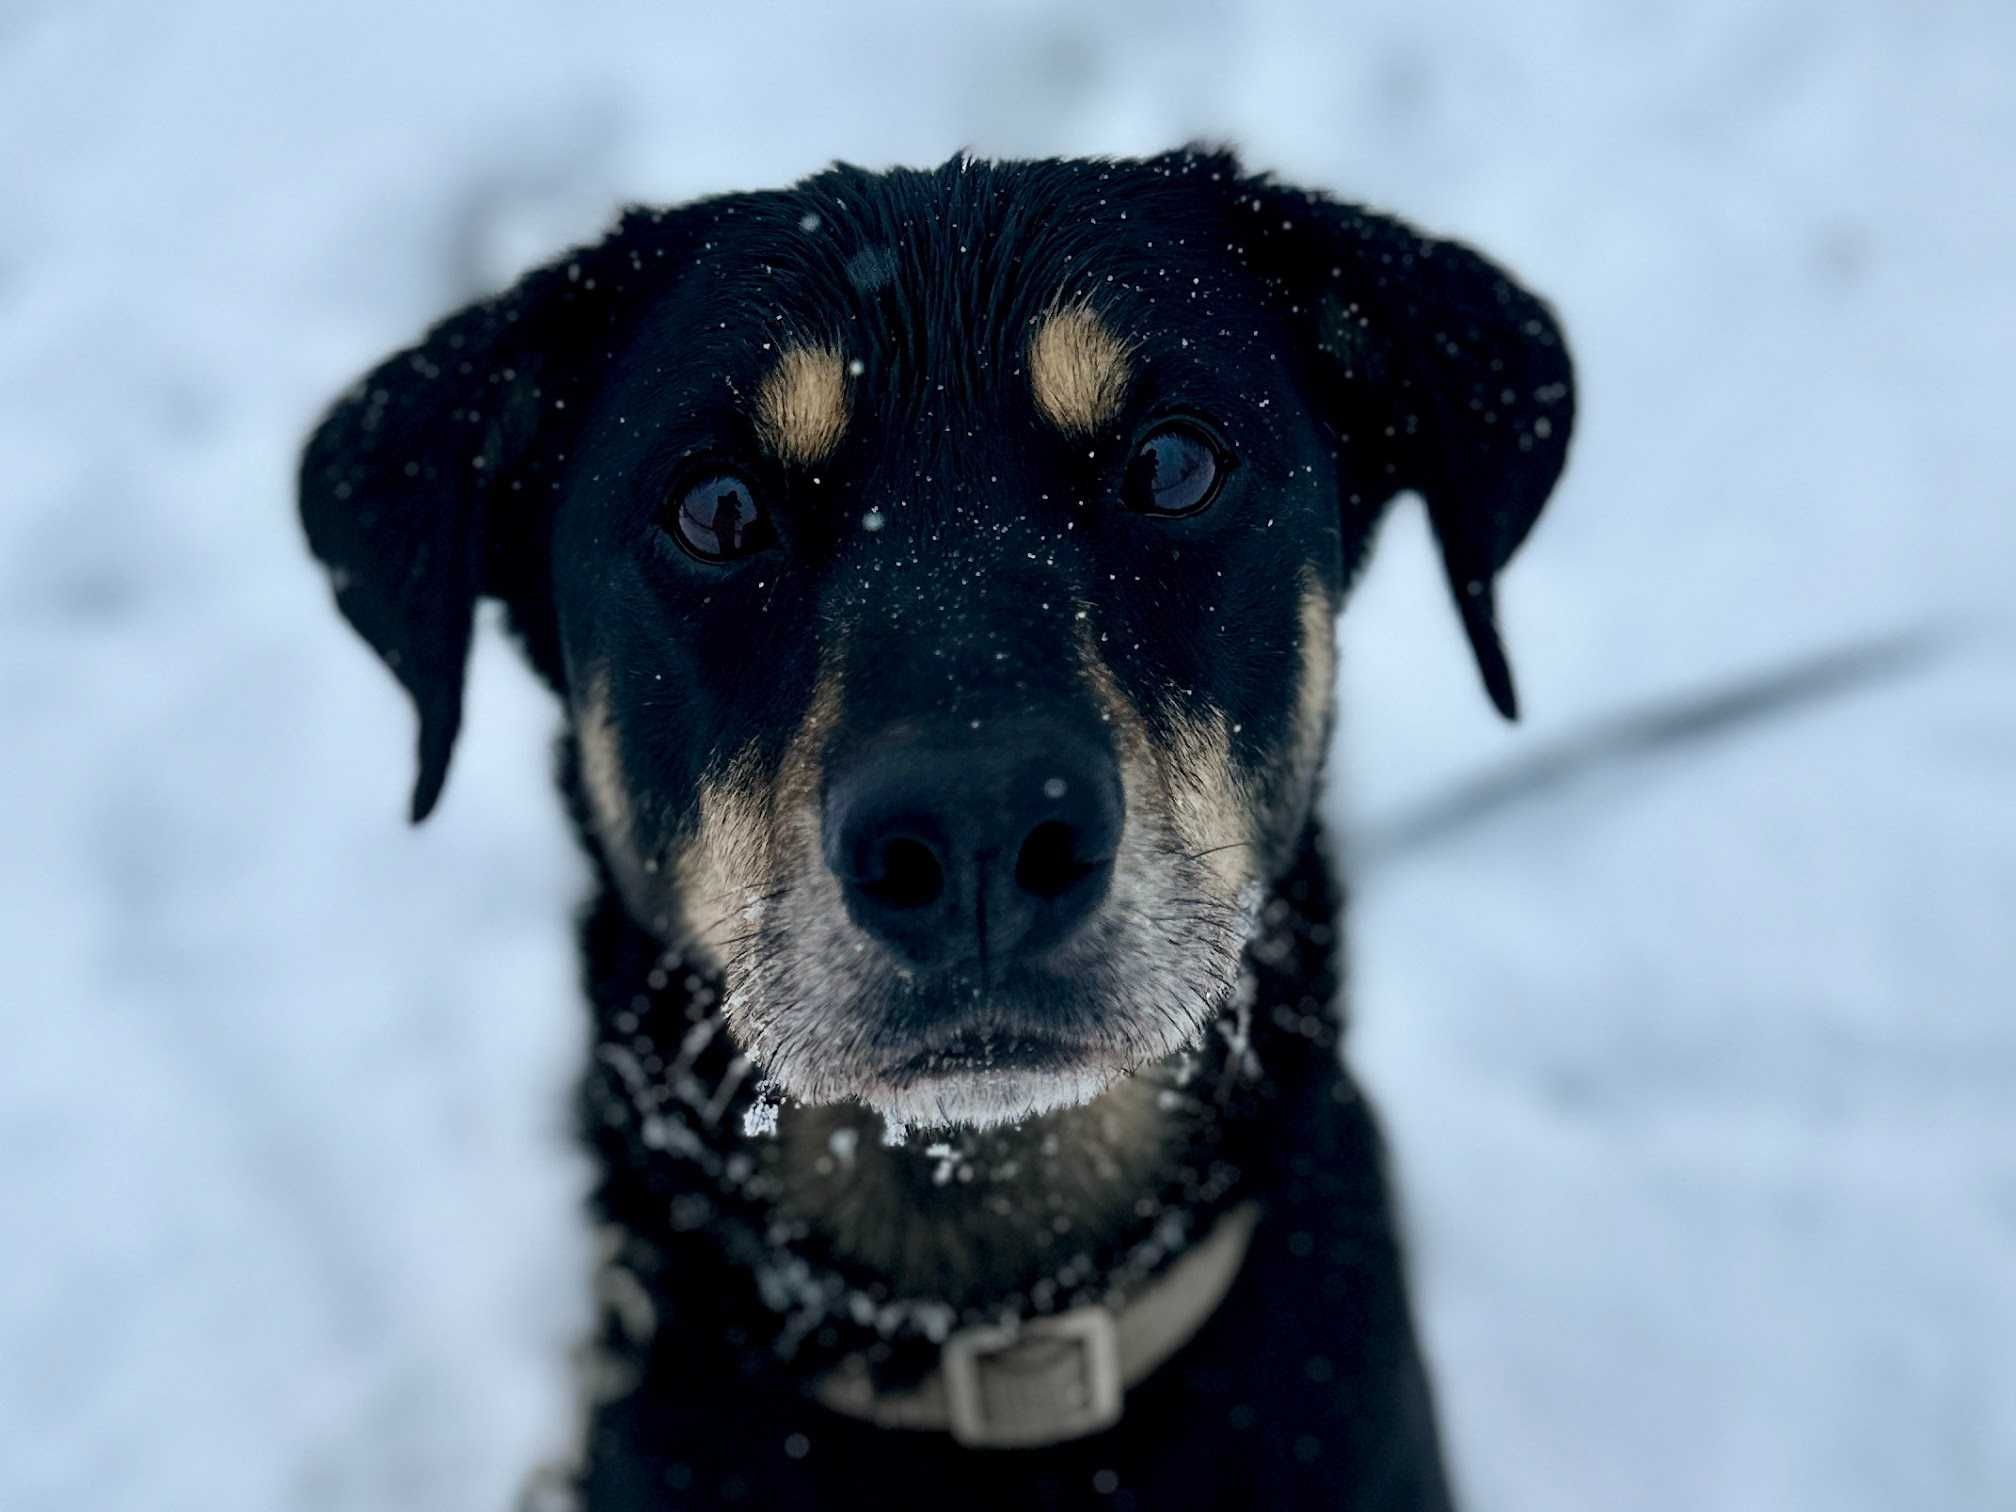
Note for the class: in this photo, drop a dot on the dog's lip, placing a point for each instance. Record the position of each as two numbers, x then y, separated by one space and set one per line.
971 1052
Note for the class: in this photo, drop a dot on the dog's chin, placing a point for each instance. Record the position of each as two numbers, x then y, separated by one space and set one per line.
983 1080
969 1080
927 1054
984 1099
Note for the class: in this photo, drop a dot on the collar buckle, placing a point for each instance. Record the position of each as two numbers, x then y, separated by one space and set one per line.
1048 1380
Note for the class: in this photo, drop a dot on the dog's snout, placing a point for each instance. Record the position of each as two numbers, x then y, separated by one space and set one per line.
972 851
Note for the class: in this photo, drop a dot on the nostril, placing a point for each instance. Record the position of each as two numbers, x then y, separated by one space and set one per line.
1049 864
905 873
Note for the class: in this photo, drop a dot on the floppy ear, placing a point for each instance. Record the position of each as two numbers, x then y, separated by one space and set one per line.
428 483
1438 373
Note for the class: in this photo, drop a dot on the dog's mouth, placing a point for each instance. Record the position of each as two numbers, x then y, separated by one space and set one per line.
982 1053
982 1074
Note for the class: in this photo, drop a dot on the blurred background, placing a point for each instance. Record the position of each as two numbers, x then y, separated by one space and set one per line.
1695 1038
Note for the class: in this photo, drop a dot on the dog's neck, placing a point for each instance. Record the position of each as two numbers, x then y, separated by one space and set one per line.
968 1215
942 1226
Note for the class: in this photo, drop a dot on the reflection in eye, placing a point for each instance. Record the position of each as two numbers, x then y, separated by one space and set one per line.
1177 470
719 519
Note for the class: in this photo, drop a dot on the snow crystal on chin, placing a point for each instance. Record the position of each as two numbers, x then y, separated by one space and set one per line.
984 1101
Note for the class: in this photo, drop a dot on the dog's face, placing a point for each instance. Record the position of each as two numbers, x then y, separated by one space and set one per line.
939 570
948 629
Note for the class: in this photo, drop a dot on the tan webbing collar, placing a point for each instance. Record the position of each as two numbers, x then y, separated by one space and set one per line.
1055 1378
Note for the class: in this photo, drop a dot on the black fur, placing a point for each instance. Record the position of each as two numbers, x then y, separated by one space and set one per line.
524 450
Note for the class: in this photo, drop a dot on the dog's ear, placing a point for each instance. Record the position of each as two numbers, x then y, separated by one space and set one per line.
428 484
1436 371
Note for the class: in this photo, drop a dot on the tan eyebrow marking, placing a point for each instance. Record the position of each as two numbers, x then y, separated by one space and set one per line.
1078 370
801 407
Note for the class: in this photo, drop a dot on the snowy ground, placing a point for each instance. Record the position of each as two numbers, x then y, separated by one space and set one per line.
1702 1070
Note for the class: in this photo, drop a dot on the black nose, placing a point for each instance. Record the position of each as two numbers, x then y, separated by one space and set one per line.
995 846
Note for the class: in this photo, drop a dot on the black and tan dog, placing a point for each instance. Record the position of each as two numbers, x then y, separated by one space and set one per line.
938 572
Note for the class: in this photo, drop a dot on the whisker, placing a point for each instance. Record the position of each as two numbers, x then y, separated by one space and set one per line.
737 912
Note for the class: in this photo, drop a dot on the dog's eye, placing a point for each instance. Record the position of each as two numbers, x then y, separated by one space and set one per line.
718 519
1177 470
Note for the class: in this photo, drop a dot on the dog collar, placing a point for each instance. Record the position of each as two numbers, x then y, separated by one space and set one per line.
1051 1379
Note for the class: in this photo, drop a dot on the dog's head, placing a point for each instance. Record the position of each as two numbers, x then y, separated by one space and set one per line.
938 570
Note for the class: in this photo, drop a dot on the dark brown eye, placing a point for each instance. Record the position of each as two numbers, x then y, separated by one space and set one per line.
1177 470
718 519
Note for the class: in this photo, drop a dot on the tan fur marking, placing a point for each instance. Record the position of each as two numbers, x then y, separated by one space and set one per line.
801 408
1191 786
1318 693
1282 790
602 766
730 853
748 825
1209 805
1078 370
1114 706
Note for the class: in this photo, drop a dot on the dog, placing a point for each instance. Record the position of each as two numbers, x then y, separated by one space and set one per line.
938 572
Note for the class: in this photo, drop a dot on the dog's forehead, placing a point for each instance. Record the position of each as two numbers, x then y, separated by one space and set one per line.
963 286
